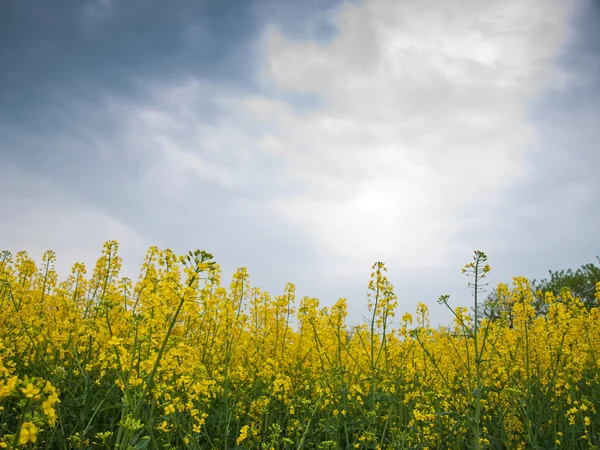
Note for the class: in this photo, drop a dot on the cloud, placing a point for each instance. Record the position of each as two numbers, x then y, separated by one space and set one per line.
425 116
422 116
376 130
45 216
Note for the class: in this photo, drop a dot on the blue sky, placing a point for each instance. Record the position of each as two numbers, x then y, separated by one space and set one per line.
306 139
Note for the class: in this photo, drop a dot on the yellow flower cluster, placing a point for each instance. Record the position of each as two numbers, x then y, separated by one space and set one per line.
179 360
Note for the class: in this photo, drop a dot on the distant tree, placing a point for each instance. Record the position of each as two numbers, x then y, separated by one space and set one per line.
581 283
496 306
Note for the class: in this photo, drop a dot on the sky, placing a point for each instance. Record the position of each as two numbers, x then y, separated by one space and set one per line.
306 139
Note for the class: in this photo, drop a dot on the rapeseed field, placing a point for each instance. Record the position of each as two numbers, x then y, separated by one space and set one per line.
180 360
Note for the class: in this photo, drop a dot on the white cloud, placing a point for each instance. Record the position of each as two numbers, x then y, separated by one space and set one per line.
426 115
420 117
43 216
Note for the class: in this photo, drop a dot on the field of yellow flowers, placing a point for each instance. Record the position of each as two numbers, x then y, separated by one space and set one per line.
178 360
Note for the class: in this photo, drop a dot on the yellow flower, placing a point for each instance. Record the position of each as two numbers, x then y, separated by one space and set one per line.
30 391
28 433
243 434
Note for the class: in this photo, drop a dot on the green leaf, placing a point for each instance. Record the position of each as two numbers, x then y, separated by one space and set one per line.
143 442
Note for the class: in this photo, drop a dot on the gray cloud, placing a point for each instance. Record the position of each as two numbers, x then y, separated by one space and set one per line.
304 140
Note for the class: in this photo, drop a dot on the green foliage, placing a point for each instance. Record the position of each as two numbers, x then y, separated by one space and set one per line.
581 283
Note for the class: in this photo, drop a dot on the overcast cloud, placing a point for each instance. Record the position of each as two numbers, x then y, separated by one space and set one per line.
306 139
